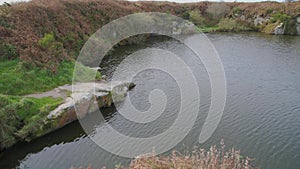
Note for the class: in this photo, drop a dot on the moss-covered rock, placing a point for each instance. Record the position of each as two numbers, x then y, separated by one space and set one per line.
270 28
290 26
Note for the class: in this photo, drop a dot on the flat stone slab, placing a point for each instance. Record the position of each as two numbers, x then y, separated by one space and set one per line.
64 91
86 96
84 91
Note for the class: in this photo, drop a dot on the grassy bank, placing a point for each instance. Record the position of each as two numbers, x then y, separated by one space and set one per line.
16 79
20 118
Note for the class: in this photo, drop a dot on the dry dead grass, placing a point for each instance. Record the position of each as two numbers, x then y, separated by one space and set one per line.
214 158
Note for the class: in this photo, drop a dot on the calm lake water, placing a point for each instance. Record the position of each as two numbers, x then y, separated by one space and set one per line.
261 117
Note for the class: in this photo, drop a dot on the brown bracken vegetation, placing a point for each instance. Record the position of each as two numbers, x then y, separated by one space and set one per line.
24 24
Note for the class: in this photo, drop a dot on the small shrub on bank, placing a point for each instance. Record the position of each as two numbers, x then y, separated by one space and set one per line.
270 28
19 117
7 51
279 17
237 10
51 53
196 17
269 11
290 26
200 159
214 158
47 40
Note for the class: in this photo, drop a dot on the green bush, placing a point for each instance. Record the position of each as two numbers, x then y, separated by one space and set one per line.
9 121
290 26
269 11
288 21
7 51
196 17
47 40
237 10
186 15
49 55
279 17
18 114
269 29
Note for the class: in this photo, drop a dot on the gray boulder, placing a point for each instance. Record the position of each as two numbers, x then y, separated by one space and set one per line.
259 21
298 25
298 19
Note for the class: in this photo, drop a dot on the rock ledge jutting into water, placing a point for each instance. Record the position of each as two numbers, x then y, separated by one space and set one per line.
83 95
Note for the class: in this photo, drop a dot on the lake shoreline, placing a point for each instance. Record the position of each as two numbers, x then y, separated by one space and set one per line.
65 112
40 41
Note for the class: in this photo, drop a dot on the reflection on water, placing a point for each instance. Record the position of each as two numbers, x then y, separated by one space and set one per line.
261 117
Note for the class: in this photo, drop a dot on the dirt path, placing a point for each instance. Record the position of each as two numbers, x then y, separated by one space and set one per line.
66 90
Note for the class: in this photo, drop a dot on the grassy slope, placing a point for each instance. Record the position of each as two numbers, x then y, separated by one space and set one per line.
21 118
17 80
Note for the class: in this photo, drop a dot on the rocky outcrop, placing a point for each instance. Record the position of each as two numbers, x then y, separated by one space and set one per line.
298 25
259 21
279 30
81 95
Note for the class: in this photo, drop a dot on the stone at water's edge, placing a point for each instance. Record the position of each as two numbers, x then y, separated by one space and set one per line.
279 30
83 95
298 25
298 19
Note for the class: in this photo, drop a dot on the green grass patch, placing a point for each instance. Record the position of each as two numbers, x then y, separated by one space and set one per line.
15 79
7 51
279 17
269 29
209 29
233 25
21 118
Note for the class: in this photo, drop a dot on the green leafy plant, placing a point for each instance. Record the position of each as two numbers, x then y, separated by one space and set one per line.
279 17
7 51
196 17
20 117
237 10
47 40
269 11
